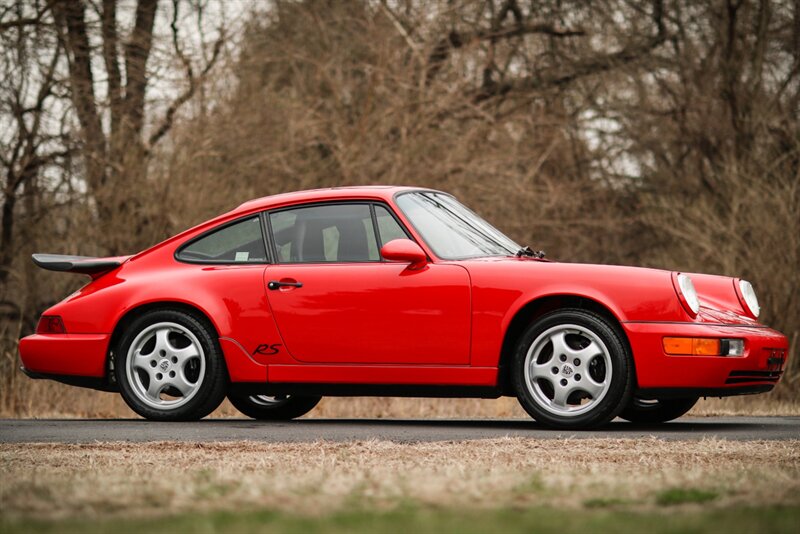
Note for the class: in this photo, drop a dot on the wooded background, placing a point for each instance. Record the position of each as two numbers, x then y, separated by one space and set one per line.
659 133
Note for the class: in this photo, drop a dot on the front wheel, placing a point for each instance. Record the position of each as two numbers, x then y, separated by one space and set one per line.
656 410
572 370
273 408
169 366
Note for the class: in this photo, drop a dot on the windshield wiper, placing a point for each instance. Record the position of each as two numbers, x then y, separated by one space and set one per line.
528 251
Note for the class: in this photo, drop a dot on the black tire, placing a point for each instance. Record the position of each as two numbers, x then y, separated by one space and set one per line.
284 409
656 410
617 392
208 394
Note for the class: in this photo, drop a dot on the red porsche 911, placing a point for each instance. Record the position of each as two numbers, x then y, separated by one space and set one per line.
394 291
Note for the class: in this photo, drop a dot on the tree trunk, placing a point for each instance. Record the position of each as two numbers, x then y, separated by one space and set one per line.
116 162
7 235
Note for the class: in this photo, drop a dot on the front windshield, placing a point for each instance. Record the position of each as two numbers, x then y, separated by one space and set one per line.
451 229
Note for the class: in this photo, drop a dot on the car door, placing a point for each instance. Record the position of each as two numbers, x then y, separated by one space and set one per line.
335 300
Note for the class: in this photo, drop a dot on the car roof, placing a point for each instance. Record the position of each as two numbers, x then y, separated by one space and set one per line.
380 192
367 192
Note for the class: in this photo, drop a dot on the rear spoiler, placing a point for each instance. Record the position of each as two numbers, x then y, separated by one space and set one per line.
94 267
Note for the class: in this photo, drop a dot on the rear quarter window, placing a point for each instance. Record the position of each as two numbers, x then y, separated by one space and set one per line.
240 242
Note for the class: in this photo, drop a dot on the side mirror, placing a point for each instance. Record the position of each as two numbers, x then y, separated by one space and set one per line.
406 251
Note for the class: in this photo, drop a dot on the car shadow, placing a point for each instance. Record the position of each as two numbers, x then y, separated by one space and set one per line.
522 424
689 425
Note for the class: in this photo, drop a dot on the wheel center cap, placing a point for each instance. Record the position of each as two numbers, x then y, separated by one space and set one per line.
164 365
567 370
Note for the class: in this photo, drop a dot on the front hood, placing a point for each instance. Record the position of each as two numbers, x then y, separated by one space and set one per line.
631 293
719 301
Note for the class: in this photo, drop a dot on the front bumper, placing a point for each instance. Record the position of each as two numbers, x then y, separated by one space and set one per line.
65 354
661 375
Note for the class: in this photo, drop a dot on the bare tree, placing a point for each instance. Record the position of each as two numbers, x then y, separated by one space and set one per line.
32 136
709 140
116 157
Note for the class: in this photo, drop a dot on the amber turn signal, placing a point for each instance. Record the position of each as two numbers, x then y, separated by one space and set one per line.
699 346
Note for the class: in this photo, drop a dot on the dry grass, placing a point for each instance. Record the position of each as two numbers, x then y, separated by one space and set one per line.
116 479
508 407
746 405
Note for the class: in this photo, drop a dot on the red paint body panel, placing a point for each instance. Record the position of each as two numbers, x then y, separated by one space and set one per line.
721 302
501 287
65 354
384 374
346 313
232 297
381 323
241 366
655 369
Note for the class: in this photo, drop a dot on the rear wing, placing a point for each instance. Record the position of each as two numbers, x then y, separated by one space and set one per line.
78 264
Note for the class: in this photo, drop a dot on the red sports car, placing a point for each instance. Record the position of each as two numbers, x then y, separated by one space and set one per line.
394 291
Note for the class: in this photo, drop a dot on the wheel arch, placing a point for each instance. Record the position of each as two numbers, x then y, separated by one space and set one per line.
137 311
538 307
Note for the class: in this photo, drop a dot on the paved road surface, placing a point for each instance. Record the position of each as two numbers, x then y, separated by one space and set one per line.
306 430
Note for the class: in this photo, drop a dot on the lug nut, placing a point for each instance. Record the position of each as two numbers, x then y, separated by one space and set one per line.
563 358
172 374
577 377
555 370
159 376
563 381
576 361
162 352
174 359
152 363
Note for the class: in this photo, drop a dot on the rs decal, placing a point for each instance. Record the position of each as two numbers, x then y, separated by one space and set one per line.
267 350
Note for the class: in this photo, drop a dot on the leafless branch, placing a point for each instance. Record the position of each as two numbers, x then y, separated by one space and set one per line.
455 40
27 21
108 19
194 82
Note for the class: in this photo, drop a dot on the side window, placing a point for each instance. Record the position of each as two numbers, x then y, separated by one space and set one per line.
388 226
330 233
241 242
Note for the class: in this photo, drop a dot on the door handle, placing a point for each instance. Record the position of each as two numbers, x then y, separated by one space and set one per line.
275 284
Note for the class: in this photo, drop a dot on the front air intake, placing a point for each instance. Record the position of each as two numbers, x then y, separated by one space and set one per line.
743 377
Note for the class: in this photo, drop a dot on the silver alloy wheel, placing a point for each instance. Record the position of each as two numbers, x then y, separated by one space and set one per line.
165 359
568 370
268 401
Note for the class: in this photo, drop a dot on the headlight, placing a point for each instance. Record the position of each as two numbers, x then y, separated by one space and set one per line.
689 293
749 296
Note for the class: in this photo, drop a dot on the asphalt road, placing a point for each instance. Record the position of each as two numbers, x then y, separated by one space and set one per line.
309 430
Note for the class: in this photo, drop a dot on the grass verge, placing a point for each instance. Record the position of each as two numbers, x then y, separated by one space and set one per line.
676 496
775 520
126 481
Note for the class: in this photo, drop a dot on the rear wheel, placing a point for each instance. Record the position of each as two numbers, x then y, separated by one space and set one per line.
273 408
572 370
656 410
169 367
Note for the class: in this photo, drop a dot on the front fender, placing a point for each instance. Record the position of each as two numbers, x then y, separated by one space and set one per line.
501 289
